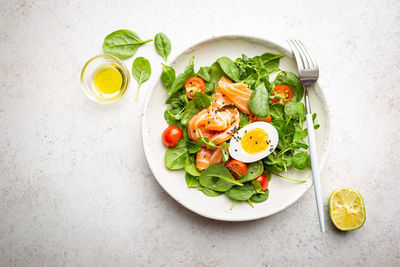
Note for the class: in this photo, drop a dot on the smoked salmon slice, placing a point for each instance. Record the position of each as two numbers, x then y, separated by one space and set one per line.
220 121
238 93
205 157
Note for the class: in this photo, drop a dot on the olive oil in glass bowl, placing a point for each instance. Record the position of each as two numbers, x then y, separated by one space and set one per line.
104 79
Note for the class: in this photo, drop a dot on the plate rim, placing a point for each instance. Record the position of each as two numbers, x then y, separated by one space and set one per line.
320 94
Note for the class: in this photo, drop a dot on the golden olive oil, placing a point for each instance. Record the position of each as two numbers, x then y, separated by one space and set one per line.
108 80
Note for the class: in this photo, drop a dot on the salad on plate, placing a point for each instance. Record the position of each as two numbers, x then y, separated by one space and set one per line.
233 124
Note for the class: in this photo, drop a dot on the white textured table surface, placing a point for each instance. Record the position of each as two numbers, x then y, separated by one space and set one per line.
75 189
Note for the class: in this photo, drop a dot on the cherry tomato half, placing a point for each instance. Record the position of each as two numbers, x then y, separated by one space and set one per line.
237 168
285 91
171 136
194 85
263 180
254 118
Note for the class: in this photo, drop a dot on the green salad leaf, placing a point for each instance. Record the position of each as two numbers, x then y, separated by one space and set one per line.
258 102
123 43
180 80
191 181
175 157
291 79
167 75
162 45
218 178
229 67
141 71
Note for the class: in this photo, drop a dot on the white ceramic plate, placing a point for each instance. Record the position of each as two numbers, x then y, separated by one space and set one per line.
283 193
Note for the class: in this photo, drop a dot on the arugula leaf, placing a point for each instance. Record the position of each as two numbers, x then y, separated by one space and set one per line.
123 43
258 102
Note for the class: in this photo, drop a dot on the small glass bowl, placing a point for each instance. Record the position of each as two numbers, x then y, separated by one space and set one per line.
90 68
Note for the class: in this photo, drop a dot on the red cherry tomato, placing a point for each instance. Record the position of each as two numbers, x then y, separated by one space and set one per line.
237 168
171 136
194 85
286 94
263 180
254 118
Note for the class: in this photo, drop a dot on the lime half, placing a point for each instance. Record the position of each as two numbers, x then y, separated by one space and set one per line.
346 208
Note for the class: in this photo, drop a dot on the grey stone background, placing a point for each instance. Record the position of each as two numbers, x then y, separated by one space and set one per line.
75 189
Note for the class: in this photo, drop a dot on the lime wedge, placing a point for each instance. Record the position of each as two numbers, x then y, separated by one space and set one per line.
346 208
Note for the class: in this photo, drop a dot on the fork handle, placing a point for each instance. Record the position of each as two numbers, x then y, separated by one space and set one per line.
315 170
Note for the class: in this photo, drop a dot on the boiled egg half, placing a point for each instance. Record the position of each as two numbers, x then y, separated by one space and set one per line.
253 142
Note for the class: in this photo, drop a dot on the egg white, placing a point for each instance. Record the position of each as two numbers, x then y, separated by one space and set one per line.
237 152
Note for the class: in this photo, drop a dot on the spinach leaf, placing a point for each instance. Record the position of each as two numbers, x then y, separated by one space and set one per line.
209 192
257 187
271 61
175 157
241 193
291 110
179 81
258 198
201 100
123 43
190 167
244 119
254 170
171 119
258 102
229 67
177 100
192 147
189 112
210 87
215 73
203 72
162 45
167 75
141 71
291 79
218 178
277 110
301 110
251 80
191 180
300 160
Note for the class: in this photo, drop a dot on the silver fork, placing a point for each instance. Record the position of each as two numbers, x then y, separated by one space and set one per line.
308 74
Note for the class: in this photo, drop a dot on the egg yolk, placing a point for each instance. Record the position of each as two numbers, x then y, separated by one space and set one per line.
254 141
108 80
